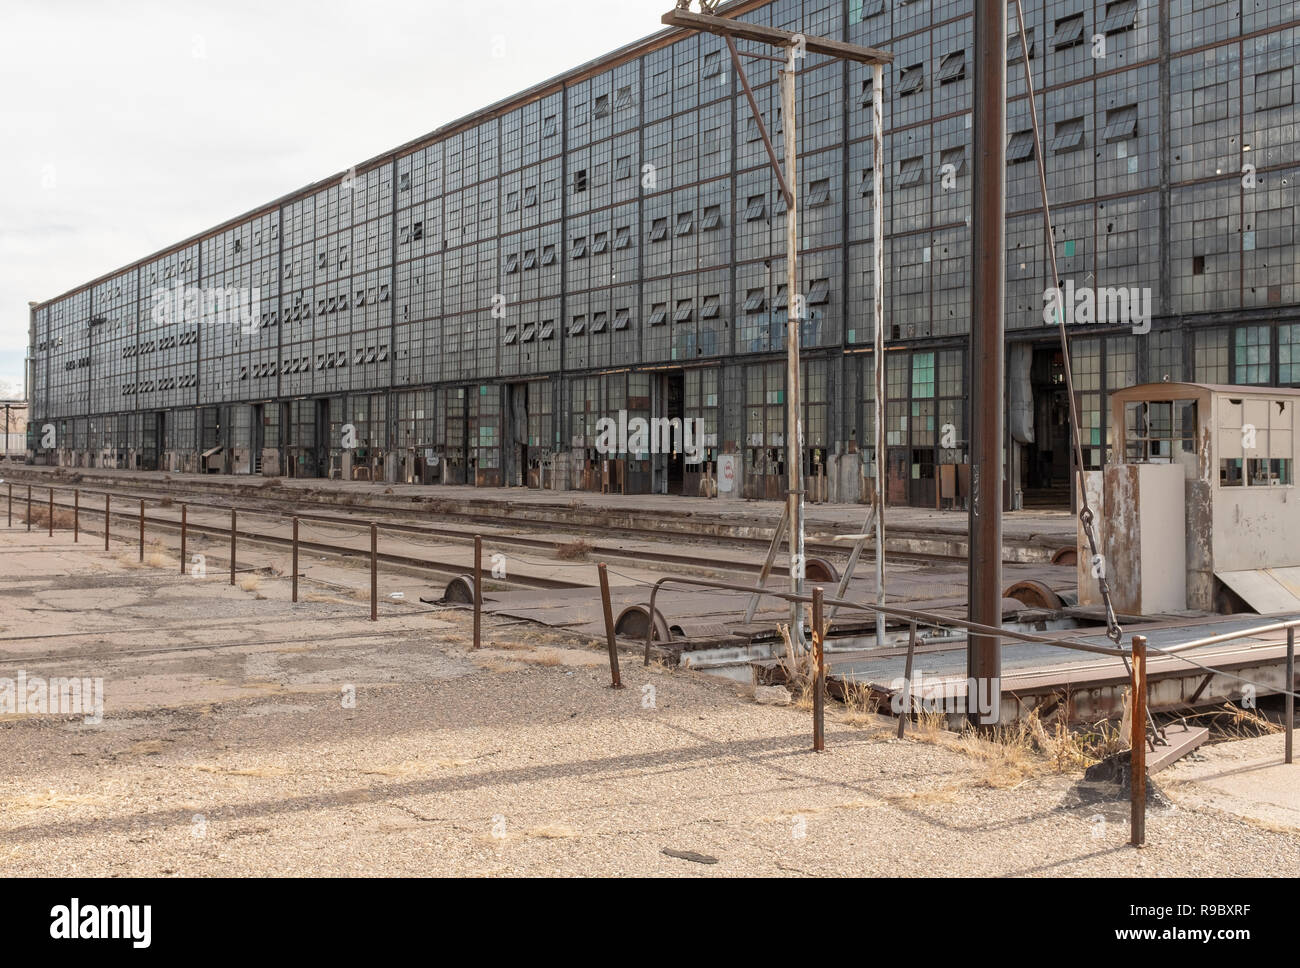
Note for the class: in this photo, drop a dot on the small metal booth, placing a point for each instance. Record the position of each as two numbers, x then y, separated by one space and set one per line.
1197 503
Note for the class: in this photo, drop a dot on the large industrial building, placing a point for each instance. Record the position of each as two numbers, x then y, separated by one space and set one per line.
464 308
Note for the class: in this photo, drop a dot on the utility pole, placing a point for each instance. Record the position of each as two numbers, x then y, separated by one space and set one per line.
988 230
796 45
793 325
878 321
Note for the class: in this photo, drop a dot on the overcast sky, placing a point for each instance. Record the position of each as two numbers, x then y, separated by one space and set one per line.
130 126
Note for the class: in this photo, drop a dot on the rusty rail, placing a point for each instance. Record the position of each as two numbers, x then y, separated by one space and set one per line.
610 642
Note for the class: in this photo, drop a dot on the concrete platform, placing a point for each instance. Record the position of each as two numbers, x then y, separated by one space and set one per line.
1246 778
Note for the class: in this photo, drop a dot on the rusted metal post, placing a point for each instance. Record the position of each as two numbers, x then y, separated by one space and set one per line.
478 589
108 499
374 572
76 515
794 303
819 673
617 681
233 524
987 351
295 558
1138 741
906 712
141 529
184 535
51 522
1290 691
10 523
29 507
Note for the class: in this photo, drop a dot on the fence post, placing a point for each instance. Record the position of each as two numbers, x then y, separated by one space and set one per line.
1290 691
906 712
374 572
142 529
819 674
107 499
232 545
76 515
51 512
617 681
478 589
11 505
295 558
29 507
184 523
1138 741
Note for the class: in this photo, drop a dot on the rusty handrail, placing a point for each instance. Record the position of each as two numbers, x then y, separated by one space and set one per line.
889 610
1227 637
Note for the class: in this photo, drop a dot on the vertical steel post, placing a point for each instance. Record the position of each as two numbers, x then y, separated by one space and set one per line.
233 523
1138 743
374 572
906 713
794 417
76 515
878 319
108 499
988 232
10 523
616 681
295 558
29 507
478 589
1290 692
184 535
819 673
141 529
51 522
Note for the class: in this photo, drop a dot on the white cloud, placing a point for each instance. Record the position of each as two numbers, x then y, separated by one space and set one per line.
130 127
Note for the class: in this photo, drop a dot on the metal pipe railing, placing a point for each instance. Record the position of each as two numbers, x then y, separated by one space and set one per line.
910 614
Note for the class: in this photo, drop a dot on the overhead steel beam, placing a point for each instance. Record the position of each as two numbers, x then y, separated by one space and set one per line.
775 36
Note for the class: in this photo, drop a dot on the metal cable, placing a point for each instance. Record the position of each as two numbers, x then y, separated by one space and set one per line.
1086 518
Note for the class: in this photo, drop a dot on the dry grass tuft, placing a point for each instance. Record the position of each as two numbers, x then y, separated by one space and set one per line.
249 583
159 560
861 705
49 800
542 658
41 517
1232 721
573 551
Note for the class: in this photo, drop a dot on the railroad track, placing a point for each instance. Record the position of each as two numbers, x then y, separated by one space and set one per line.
500 530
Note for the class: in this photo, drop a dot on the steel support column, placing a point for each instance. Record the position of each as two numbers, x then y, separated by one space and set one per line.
988 232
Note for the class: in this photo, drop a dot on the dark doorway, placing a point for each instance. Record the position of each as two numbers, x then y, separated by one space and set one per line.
1047 459
160 440
258 438
673 463
322 454
515 430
